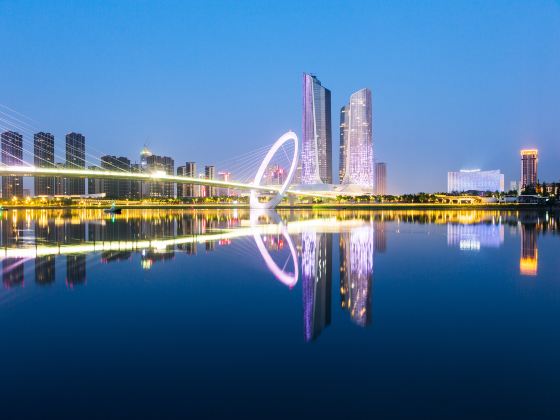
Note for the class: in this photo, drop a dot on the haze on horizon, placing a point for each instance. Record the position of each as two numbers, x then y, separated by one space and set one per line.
455 84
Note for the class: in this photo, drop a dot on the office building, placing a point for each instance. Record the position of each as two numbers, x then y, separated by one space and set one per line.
75 159
210 173
381 178
475 180
358 142
316 147
114 188
43 153
12 155
529 164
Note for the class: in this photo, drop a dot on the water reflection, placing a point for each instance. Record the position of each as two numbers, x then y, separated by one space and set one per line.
472 237
356 273
285 241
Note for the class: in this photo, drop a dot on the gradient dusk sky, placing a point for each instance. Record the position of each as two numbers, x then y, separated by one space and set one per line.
456 84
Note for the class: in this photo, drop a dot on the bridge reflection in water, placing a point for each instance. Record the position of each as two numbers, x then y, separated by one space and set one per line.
295 246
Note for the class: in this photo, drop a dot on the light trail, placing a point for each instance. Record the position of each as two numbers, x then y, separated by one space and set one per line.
326 225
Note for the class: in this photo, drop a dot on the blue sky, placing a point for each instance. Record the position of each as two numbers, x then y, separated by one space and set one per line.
455 84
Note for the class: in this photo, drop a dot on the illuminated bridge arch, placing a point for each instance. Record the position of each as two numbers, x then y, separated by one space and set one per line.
254 201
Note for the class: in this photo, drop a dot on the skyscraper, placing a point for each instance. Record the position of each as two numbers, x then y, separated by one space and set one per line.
343 140
358 144
529 163
381 178
316 148
43 152
210 173
12 154
75 159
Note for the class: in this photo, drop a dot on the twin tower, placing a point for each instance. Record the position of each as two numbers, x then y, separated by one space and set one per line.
356 167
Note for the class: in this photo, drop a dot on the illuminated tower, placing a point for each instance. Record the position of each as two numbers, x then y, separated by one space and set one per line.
358 144
43 152
12 154
75 159
316 147
529 162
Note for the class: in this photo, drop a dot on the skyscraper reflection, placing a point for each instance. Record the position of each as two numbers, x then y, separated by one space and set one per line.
75 269
316 267
356 273
12 272
529 261
45 270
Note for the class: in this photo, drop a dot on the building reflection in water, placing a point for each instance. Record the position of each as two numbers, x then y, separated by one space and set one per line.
472 237
45 269
12 272
529 261
356 273
316 271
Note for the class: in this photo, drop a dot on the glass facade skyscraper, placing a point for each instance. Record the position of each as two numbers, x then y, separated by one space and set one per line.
316 148
358 141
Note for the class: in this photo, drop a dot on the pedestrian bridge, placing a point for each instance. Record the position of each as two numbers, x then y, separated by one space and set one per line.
255 187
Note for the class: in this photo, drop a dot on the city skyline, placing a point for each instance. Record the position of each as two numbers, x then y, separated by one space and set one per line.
442 91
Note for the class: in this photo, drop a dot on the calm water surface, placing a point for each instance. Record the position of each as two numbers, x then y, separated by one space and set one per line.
412 314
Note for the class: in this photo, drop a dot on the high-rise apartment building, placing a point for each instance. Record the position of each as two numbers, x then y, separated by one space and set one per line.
210 173
380 178
316 147
43 153
529 164
12 155
358 142
116 188
75 159
160 164
187 190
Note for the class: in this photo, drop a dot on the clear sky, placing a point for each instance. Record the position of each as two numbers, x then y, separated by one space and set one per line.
455 84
